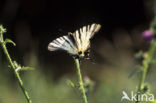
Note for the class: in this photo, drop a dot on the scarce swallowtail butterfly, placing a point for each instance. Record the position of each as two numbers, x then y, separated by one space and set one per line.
76 44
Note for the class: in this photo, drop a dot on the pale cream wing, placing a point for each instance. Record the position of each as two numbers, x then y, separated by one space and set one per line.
82 37
63 43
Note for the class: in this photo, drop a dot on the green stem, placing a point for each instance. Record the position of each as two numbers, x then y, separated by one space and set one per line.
146 64
142 79
143 75
80 80
15 72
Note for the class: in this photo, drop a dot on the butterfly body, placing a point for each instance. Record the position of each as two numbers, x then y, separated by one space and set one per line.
78 43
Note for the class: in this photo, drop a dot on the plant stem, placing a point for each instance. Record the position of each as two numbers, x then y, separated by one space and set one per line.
80 80
146 64
14 69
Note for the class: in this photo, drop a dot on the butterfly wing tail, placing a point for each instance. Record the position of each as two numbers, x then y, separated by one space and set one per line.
94 29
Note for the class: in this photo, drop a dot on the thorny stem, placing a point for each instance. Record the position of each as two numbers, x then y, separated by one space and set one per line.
146 64
80 80
14 68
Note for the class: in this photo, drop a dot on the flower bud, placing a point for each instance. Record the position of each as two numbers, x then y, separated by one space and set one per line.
147 35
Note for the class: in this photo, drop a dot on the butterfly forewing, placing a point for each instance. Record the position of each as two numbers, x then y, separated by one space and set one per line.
64 43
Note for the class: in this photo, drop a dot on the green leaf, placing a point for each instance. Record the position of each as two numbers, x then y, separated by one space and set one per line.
16 64
26 68
2 29
9 41
137 69
70 83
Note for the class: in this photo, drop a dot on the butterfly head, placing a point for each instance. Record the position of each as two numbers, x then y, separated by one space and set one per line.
83 54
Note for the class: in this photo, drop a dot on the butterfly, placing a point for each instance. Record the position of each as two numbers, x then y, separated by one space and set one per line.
76 44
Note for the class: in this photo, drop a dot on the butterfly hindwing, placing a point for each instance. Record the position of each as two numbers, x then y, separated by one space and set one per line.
84 34
93 29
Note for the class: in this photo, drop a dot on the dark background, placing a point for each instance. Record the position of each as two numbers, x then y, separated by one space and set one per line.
50 15
32 24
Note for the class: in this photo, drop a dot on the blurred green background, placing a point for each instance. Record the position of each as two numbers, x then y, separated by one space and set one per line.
32 24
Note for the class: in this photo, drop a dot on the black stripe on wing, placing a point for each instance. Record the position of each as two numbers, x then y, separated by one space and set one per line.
68 41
